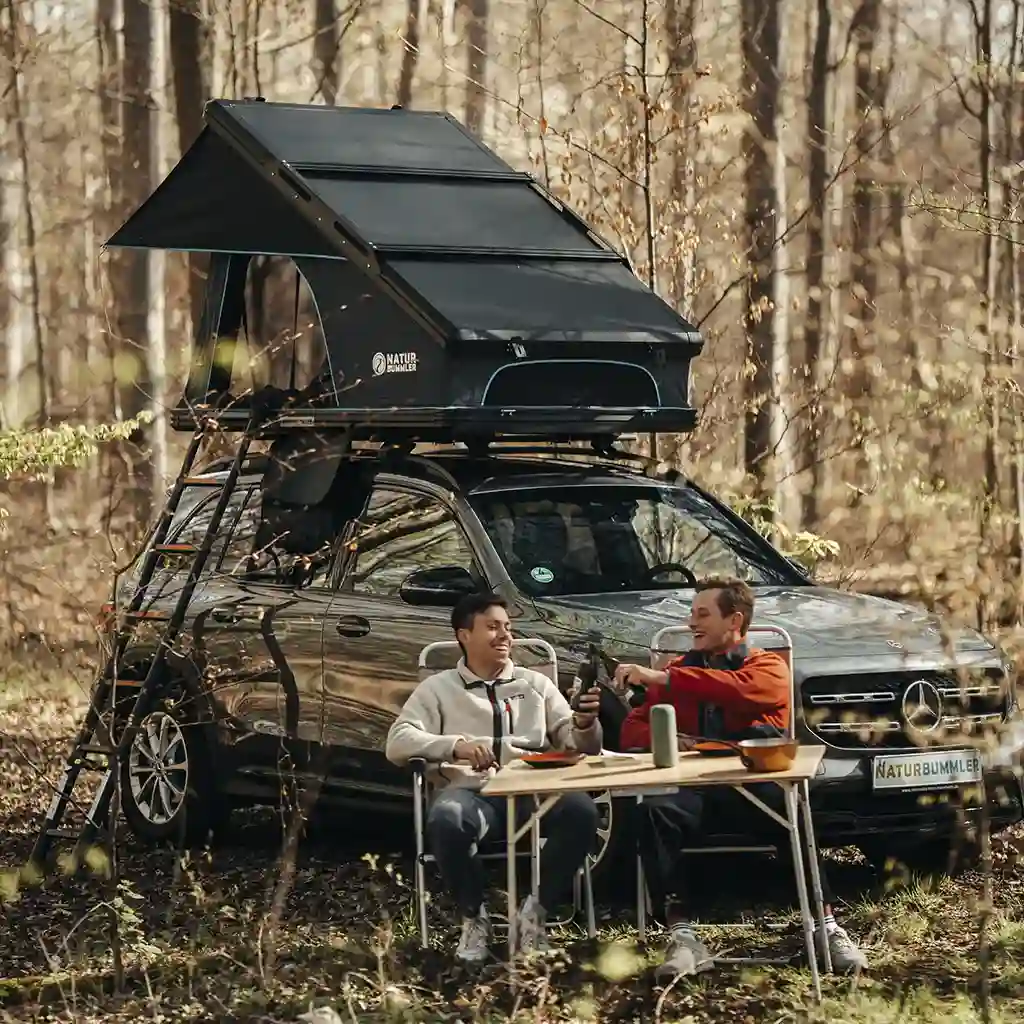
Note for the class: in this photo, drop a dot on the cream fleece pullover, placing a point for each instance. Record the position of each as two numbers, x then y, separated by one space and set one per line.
521 711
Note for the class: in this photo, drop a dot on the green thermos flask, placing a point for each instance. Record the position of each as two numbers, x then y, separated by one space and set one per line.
664 745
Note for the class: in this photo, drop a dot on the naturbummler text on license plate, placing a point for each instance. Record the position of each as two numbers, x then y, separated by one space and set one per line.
935 769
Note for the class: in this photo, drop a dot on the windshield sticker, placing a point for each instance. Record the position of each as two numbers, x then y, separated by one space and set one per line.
542 575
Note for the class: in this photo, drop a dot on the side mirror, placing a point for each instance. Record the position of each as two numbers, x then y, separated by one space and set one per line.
441 587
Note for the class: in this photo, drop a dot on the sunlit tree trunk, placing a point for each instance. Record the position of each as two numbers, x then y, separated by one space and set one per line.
818 240
414 15
137 169
478 14
326 45
191 88
761 37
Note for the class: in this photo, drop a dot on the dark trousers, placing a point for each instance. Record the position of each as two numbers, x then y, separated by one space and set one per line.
667 824
460 820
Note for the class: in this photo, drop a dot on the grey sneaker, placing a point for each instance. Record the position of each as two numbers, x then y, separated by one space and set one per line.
475 937
686 954
530 927
846 954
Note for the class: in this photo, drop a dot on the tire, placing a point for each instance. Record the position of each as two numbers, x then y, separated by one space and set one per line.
928 858
613 858
168 783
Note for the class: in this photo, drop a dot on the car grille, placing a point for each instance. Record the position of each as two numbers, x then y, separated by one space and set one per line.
901 709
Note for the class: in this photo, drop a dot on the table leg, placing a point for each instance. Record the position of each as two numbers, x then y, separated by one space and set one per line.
510 873
793 816
812 853
535 850
641 886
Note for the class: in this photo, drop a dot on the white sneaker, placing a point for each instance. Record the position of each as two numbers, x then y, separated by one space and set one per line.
686 954
475 938
846 954
530 927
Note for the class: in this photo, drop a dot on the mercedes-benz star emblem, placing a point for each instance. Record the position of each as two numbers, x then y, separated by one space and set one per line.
922 706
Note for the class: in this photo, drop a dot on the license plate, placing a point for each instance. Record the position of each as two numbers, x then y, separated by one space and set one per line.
933 770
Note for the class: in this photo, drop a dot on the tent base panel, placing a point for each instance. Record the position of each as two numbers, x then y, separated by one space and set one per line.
449 424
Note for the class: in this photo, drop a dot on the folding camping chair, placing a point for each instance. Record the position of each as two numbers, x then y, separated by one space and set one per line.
666 645
549 667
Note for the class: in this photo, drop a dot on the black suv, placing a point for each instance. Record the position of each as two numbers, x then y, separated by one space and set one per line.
302 636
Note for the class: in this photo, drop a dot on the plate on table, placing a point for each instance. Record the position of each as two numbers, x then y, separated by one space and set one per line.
714 748
552 759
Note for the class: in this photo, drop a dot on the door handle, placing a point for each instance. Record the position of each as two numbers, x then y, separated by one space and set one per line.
352 625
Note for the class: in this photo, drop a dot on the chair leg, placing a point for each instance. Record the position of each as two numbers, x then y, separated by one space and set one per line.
588 895
421 873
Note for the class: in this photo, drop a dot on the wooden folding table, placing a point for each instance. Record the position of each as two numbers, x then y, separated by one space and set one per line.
636 775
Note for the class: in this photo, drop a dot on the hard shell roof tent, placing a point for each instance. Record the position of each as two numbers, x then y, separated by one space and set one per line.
452 296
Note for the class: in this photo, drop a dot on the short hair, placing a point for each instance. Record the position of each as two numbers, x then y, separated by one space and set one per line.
733 596
469 607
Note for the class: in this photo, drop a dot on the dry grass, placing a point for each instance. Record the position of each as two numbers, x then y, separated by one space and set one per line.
191 932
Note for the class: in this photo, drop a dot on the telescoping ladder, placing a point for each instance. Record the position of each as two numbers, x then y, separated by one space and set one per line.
95 748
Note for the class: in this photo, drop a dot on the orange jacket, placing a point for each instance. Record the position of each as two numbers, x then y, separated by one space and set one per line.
756 693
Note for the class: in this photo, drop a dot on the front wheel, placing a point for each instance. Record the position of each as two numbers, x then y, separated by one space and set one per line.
168 790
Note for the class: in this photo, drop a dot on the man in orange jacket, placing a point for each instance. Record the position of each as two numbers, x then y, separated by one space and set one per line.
720 689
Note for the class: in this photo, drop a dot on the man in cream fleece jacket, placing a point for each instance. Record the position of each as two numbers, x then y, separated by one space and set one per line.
466 723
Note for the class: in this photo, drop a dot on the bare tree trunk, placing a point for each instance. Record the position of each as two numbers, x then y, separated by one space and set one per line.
1014 153
781 428
137 166
476 46
156 321
191 87
818 238
864 269
410 51
539 10
680 18
12 314
760 38
990 264
326 44
18 114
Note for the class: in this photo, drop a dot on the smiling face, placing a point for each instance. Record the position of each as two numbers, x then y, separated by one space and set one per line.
713 631
488 641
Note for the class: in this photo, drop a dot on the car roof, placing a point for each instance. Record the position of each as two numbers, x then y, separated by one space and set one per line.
499 473
488 473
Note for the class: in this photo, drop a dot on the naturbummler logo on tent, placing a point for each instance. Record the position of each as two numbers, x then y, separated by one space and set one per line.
393 362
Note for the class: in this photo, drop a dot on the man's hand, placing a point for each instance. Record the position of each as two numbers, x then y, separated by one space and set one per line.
477 752
588 704
626 674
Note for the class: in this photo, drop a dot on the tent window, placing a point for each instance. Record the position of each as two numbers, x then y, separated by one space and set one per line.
285 344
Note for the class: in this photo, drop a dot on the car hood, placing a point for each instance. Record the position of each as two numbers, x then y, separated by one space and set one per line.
823 623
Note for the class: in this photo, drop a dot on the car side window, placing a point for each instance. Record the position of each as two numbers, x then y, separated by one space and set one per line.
398 533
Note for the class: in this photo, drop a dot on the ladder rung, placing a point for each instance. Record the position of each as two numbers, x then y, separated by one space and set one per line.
128 682
202 481
61 833
176 549
150 616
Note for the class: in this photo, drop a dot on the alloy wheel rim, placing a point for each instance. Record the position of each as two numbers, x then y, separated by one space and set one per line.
605 819
158 768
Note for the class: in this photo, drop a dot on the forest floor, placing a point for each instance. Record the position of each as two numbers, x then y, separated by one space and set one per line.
198 945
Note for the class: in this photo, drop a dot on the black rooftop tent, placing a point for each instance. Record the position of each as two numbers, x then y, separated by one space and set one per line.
456 296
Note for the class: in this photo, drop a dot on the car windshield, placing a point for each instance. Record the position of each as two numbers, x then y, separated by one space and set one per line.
598 539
